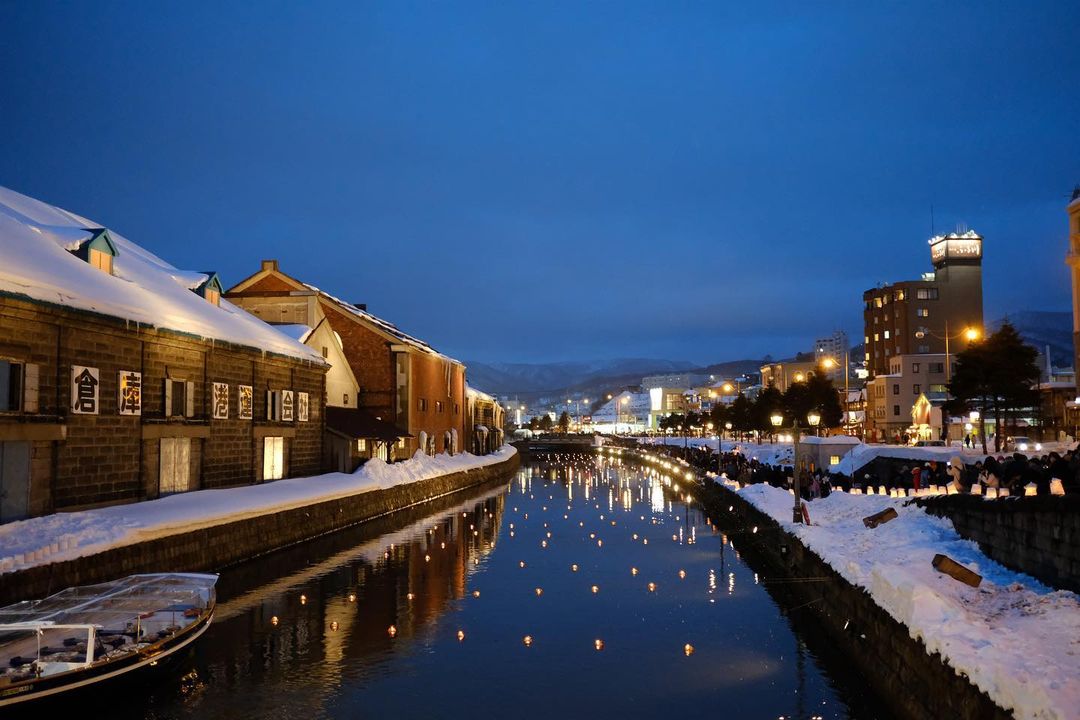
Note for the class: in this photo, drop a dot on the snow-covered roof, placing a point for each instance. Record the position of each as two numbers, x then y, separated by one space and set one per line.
969 235
387 327
472 392
35 242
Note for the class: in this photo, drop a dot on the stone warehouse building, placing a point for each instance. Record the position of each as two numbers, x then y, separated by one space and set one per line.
123 378
379 375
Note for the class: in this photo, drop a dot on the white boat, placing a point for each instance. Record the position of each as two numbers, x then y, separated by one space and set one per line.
87 635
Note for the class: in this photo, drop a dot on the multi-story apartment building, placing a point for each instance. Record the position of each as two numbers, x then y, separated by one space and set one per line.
923 316
907 399
123 378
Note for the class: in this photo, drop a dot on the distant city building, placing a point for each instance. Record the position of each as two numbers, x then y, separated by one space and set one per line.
915 316
674 380
833 346
783 373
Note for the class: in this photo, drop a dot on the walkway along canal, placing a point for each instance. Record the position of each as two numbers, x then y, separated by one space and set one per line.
581 586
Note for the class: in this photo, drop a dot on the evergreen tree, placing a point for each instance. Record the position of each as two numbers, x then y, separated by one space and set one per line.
564 422
769 401
998 375
546 423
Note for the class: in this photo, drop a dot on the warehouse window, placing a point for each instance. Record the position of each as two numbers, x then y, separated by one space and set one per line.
179 398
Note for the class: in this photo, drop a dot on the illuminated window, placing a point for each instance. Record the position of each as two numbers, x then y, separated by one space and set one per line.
876 337
915 367
361 445
877 302
923 312
926 294
834 459
886 334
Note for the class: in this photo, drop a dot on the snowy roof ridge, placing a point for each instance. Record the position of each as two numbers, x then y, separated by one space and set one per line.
384 325
35 240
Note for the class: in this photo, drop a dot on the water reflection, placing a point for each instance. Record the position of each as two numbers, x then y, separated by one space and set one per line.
575 589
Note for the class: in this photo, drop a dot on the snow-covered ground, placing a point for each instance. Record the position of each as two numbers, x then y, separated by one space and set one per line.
63 536
1016 639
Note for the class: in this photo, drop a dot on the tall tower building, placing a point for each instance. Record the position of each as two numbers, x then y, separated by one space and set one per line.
915 316
1073 260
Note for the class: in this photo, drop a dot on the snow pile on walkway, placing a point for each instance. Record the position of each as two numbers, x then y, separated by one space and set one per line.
64 536
1016 639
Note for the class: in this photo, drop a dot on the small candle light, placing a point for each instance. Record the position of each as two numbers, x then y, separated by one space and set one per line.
539 592
274 620
352 597
682 574
521 564
460 635
334 626
633 571
595 589
688 649
527 640
303 599
476 593
573 568
598 644
652 587
391 631
409 596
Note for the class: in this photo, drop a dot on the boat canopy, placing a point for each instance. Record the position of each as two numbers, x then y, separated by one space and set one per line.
107 603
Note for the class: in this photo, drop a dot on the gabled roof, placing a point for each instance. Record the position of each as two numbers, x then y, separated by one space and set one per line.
99 239
383 326
36 240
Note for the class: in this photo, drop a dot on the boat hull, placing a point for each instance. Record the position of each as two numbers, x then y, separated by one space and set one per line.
64 684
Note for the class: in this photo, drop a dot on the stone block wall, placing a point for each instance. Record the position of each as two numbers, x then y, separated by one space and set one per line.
219 546
85 460
1039 536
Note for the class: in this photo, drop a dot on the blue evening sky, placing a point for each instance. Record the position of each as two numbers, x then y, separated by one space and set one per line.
547 180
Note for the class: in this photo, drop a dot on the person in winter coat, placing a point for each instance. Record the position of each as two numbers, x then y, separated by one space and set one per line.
916 477
926 475
956 473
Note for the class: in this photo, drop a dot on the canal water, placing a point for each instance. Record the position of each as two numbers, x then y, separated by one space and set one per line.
582 586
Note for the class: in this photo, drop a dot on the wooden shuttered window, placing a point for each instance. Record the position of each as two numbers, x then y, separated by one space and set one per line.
179 398
31 375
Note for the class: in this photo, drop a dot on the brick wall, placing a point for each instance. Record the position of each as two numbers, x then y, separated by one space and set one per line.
108 458
428 381
1039 536
370 359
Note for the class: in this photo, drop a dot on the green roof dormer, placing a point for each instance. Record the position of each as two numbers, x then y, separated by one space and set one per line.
98 249
210 288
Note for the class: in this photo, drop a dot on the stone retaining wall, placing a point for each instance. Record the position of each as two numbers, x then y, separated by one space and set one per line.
1039 536
221 545
913 682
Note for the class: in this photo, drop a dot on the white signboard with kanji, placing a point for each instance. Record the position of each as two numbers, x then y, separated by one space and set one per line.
288 405
302 406
220 401
129 392
84 390
245 407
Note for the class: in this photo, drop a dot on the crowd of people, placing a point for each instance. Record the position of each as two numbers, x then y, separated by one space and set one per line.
1013 472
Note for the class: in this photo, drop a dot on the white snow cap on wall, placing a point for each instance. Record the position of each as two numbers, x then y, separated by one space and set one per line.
35 239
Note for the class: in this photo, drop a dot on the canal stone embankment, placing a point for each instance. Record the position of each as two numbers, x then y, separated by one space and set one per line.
1038 535
914 682
228 543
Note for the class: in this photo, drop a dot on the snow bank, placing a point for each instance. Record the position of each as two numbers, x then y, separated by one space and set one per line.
1017 640
64 536
35 239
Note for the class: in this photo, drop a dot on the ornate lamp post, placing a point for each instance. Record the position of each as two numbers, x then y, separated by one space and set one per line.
777 421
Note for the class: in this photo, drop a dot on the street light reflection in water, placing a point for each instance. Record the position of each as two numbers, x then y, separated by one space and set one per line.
482 621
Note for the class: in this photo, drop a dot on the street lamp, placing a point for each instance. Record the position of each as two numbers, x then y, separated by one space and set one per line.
624 401
813 417
971 334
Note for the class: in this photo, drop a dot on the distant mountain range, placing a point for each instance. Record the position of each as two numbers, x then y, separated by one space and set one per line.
1040 329
532 380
